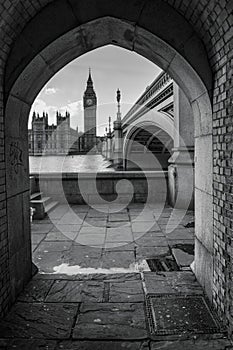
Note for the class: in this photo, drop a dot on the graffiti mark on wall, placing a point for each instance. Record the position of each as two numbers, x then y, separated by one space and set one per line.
16 156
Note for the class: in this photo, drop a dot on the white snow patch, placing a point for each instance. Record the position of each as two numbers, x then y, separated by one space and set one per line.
77 269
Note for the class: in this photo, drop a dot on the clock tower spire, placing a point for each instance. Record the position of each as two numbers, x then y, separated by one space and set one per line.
89 105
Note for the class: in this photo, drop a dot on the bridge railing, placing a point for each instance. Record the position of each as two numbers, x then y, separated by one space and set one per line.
151 92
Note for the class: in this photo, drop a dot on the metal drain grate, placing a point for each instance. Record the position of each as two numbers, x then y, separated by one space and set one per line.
176 314
162 264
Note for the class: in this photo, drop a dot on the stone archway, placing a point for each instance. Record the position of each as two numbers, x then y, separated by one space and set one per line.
152 132
170 46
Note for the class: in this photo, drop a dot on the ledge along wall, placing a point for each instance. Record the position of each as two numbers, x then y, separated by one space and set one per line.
92 188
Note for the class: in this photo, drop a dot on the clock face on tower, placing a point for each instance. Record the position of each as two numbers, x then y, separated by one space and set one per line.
89 101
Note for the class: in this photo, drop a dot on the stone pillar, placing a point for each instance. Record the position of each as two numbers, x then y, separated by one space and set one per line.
104 148
109 146
118 145
181 168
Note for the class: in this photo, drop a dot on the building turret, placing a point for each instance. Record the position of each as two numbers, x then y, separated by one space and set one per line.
33 116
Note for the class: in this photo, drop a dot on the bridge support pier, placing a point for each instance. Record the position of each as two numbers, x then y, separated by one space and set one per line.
181 168
118 145
109 146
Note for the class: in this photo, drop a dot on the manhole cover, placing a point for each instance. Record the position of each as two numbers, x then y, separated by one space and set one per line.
175 314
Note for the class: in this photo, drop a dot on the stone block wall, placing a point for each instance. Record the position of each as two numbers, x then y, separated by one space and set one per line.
212 20
87 188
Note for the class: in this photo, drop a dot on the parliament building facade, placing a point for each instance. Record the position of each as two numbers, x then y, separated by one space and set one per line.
61 139
51 139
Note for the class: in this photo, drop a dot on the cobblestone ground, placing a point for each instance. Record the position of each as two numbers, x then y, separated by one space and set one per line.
104 276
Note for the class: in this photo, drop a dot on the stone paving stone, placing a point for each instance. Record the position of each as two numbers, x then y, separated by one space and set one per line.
114 259
170 228
117 208
102 345
191 230
119 234
111 321
35 291
148 216
170 220
27 344
179 234
171 282
96 214
80 208
38 228
66 228
122 277
37 238
93 240
59 236
127 291
193 344
48 247
51 254
34 247
175 242
96 222
76 291
118 217
85 256
182 258
119 246
120 224
117 276
46 220
72 217
47 263
165 215
144 226
39 320
152 252
92 230
58 212
150 239
136 206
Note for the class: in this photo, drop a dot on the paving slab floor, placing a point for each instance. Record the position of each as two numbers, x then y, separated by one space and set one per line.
98 271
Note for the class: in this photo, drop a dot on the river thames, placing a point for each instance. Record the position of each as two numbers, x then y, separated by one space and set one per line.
71 164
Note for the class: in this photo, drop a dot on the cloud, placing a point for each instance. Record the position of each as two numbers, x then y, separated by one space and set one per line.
39 106
74 108
76 113
51 91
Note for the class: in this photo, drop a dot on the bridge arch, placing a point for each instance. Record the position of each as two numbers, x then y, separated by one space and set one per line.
68 32
153 128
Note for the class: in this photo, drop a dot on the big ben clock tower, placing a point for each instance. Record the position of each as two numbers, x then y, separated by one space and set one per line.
89 104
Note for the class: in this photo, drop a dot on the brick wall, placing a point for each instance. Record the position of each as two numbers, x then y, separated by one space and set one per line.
213 21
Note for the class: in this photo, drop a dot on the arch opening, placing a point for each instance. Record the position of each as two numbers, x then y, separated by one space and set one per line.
144 139
22 89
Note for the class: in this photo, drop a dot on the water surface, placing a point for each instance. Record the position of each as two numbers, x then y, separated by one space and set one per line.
70 164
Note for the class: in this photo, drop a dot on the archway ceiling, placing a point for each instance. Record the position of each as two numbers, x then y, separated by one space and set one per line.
89 24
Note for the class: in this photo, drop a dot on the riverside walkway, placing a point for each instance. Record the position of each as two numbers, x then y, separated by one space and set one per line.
112 280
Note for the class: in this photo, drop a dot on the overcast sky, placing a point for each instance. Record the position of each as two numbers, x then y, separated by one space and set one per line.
111 68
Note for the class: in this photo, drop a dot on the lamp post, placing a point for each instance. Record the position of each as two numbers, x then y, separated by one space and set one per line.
118 136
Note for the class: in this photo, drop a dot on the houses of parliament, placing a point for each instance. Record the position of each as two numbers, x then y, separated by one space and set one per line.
61 139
